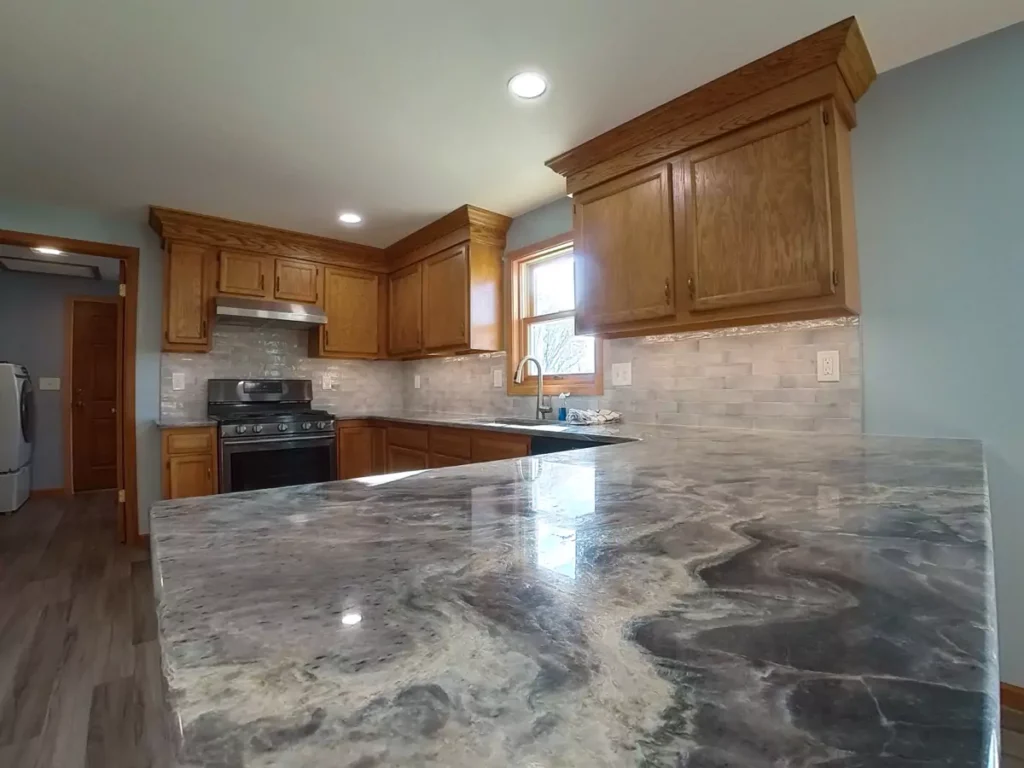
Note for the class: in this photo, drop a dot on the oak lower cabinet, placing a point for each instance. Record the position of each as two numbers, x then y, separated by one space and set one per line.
186 297
406 459
624 241
405 310
352 305
189 459
244 274
439 461
361 451
495 446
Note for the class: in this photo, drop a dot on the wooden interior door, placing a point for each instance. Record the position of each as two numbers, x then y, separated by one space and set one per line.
405 308
757 214
296 281
351 304
185 294
190 475
446 299
625 253
243 274
94 393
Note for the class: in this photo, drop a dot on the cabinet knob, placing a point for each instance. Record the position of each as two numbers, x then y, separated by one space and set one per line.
689 286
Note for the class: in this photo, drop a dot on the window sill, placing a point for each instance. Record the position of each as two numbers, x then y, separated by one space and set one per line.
555 386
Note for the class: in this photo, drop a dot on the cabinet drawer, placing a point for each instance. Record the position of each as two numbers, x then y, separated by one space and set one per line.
437 461
200 440
488 446
408 437
451 442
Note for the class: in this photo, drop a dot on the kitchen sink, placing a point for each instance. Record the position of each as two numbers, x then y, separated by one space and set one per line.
509 422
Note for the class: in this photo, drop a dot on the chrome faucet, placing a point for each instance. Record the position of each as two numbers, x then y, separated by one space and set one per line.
518 378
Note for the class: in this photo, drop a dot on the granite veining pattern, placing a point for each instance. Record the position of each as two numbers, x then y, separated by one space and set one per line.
704 598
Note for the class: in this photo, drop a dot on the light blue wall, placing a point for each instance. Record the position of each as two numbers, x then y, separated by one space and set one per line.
132 230
540 224
938 174
32 324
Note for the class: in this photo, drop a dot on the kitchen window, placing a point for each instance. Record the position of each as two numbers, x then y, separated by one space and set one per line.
542 305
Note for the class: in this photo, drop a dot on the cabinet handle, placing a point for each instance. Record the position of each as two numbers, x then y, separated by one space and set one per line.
209 472
689 285
203 331
261 282
668 291
327 337
277 283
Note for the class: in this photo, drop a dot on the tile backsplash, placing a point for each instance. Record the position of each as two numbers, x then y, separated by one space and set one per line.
357 386
760 377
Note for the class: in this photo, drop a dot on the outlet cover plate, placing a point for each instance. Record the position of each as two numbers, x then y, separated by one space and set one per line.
177 381
828 365
416 381
49 384
622 374
496 377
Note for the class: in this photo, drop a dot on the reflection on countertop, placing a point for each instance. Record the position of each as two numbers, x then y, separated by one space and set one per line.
703 597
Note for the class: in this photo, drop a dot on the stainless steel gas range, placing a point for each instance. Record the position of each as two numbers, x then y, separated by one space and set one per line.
269 435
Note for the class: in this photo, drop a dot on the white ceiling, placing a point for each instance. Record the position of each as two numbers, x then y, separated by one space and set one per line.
109 269
285 113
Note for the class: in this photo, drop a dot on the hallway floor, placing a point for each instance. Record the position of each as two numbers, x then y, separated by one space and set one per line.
80 682
79 662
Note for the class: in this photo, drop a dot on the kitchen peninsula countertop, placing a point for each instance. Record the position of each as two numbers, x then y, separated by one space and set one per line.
700 598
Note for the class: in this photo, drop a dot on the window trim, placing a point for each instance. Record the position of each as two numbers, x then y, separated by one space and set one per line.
516 328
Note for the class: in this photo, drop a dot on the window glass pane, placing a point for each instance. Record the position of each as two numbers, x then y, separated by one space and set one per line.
558 349
552 285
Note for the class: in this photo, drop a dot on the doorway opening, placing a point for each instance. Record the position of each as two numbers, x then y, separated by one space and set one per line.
96 379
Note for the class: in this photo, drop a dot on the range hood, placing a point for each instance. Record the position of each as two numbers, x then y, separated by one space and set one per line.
260 312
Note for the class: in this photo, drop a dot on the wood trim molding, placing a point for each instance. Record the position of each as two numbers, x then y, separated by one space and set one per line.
841 45
481 225
128 523
172 224
1011 696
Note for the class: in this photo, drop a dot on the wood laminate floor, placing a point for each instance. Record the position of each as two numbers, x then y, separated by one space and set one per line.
80 682
79 663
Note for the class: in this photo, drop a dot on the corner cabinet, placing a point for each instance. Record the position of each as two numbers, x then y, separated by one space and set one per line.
186 297
352 305
405 310
189 458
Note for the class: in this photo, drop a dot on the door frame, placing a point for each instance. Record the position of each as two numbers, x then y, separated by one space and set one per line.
67 399
128 518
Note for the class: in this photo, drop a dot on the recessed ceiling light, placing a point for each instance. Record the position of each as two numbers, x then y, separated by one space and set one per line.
528 85
350 218
46 251
348 619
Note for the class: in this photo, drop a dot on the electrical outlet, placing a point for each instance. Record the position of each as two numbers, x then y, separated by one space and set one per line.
416 381
497 378
177 381
326 381
622 374
49 384
828 365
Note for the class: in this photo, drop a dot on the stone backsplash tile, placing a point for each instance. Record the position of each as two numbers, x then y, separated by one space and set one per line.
760 377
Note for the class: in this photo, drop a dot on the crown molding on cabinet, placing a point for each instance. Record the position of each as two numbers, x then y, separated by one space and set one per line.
832 62
182 226
484 226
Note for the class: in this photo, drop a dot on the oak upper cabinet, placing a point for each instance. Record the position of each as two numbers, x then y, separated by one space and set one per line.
446 299
186 324
296 280
405 310
352 306
624 244
189 462
244 274
757 214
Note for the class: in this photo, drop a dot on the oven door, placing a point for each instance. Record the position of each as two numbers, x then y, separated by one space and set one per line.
248 464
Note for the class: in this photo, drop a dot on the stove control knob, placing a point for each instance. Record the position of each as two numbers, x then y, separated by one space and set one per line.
258 428
241 429
323 424
306 425
282 427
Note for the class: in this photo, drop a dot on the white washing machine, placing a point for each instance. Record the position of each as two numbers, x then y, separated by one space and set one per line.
17 416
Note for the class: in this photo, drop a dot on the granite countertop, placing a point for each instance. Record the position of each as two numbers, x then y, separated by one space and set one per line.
175 422
701 598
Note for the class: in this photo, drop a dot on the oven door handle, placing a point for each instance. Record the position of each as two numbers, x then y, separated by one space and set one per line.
282 439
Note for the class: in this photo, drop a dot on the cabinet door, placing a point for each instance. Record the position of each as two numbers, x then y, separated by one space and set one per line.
405 310
488 446
379 443
296 281
438 460
355 452
351 304
185 291
190 475
243 274
625 255
757 217
446 299
405 459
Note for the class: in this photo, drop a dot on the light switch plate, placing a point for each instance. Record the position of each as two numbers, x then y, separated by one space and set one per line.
326 381
416 381
828 365
496 377
622 374
50 384
177 381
